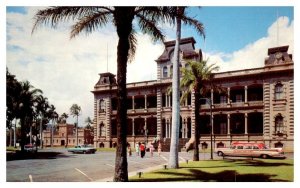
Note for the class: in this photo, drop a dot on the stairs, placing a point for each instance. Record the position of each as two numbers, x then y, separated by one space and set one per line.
165 144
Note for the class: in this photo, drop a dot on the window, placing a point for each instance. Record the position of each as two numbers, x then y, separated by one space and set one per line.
278 91
223 99
239 147
222 128
255 147
279 128
248 147
101 106
102 129
239 98
165 72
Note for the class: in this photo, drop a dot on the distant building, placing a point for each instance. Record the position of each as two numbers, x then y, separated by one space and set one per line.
258 105
65 135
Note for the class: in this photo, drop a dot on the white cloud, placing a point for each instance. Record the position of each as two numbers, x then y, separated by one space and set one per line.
253 55
66 70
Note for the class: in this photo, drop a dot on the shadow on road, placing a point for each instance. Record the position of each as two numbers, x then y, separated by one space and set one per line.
39 155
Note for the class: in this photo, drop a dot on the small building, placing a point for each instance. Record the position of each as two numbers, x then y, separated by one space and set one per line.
65 135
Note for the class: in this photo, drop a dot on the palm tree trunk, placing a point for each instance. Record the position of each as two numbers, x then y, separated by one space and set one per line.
173 157
197 121
123 20
15 133
23 134
41 132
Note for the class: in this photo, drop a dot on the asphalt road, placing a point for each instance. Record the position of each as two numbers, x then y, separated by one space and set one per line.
57 165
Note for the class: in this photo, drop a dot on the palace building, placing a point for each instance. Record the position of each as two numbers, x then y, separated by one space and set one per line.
258 104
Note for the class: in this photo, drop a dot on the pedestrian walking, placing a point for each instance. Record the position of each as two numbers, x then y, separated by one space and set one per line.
159 148
151 149
137 149
143 150
129 151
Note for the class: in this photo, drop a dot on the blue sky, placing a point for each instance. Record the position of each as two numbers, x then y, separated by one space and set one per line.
227 28
66 70
230 28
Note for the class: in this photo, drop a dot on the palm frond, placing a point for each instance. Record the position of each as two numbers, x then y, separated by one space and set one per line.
91 23
149 26
132 45
194 23
53 15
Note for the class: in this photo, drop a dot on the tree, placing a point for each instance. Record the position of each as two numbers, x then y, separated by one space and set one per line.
193 79
89 121
89 19
75 111
13 90
63 118
28 97
180 16
41 110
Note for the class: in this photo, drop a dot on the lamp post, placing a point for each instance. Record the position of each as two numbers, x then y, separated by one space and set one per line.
210 108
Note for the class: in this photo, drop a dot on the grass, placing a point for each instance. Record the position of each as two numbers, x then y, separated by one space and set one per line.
106 149
228 170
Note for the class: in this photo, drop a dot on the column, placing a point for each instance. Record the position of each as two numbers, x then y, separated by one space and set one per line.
132 102
212 124
212 96
133 133
246 94
145 102
169 100
183 129
167 128
246 123
228 124
228 95
166 95
169 131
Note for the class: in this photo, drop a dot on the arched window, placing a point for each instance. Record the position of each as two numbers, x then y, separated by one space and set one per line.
279 125
278 91
165 72
101 106
102 129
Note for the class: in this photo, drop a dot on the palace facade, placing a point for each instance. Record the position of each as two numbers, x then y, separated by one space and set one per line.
258 104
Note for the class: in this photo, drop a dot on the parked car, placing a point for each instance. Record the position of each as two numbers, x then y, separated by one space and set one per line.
29 148
82 149
250 149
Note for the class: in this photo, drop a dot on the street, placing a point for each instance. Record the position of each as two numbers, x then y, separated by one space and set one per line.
68 167
57 165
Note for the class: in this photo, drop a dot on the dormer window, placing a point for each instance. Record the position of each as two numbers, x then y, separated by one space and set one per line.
165 72
278 91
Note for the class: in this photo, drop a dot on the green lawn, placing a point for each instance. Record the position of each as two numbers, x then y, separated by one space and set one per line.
228 170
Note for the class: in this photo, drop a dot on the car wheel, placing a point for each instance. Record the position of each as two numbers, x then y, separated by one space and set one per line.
264 156
84 152
220 153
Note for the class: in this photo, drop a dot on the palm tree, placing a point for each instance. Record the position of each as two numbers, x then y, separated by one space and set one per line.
52 115
13 90
89 121
180 16
63 118
75 111
41 108
193 79
89 19
28 97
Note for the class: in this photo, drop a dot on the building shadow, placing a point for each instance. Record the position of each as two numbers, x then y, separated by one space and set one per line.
18 155
199 175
